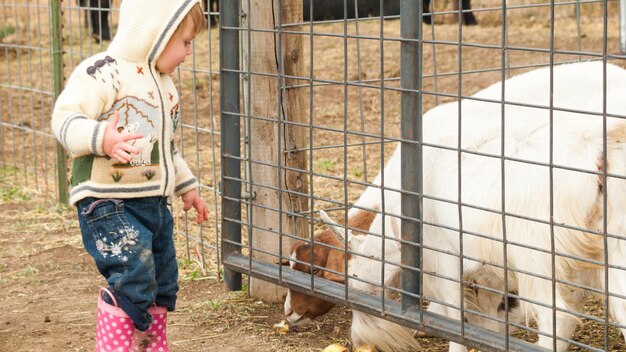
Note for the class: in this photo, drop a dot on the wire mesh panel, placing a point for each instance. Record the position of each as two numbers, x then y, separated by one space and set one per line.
26 95
496 222
41 43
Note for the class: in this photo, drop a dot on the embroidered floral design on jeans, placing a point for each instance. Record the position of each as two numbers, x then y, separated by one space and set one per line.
127 239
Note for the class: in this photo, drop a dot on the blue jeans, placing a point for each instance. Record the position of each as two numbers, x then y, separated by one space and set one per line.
131 241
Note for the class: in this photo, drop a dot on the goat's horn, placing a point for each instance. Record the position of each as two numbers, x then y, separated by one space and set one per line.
337 229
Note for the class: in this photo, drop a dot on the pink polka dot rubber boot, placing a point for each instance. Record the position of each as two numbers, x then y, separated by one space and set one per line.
114 330
154 339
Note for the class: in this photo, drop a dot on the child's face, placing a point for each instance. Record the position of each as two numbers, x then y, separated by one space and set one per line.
176 50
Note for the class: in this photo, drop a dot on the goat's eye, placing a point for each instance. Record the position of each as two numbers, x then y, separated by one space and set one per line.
316 270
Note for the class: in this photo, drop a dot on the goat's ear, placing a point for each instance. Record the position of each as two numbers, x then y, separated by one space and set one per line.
335 261
284 262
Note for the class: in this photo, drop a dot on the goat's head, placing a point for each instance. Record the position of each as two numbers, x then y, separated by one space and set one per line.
328 257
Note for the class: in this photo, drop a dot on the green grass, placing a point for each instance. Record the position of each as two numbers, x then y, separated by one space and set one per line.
27 271
324 165
13 193
357 172
6 31
190 270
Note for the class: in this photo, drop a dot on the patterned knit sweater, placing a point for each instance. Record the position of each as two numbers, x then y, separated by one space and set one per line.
124 79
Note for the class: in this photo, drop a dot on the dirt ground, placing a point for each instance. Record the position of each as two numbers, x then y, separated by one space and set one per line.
49 285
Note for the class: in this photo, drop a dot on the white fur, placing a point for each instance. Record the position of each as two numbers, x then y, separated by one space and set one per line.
576 200
292 316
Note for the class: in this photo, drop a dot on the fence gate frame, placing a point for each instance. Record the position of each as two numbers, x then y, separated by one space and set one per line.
408 311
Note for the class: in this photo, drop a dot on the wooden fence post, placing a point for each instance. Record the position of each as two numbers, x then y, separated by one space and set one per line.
275 104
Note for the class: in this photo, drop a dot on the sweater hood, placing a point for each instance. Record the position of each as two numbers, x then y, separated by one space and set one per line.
145 27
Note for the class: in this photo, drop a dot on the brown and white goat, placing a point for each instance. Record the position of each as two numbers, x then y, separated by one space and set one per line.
564 148
329 255
328 252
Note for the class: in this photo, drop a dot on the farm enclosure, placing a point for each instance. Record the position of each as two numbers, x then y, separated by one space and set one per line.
353 105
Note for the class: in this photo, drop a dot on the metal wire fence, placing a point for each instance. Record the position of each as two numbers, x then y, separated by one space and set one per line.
365 85
40 43
311 110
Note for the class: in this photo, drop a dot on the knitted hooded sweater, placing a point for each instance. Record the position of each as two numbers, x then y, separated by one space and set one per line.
124 79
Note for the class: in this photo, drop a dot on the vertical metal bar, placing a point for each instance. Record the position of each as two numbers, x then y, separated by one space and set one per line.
460 166
551 173
57 56
20 101
411 148
30 81
280 126
622 26
578 28
213 147
197 141
382 156
605 194
42 100
505 63
312 147
181 147
434 47
248 132
345 128
360 86
9 108
311 183
230 137
3 170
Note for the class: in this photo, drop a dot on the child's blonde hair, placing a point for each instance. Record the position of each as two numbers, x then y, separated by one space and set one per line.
195 17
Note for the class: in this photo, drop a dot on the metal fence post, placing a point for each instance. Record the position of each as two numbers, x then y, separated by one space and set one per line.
411 149
230 137
59 80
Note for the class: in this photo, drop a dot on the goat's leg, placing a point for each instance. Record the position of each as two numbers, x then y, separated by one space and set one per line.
617 285
540 290
616 187
617 281
371 330
445 290
565 326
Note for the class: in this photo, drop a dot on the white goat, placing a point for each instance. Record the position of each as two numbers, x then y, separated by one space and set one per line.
570 194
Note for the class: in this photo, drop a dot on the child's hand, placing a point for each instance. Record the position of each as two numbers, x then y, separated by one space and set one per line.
192 198
116 145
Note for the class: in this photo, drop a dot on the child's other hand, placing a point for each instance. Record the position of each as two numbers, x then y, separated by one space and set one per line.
116 145
192 198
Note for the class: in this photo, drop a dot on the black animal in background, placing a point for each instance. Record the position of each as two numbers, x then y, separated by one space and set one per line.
98 17
468 17
334 9
212 6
